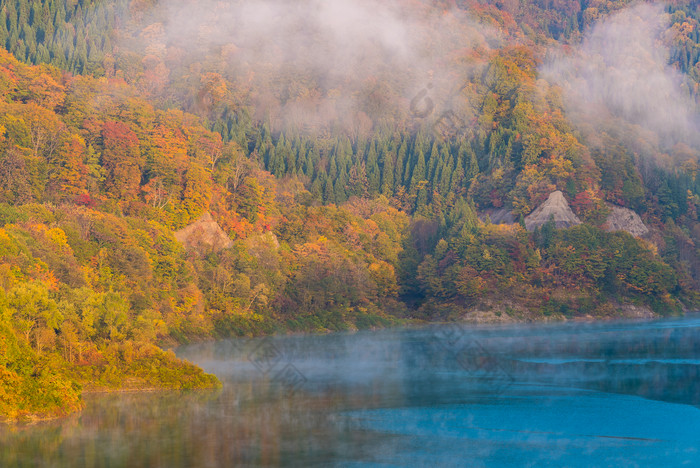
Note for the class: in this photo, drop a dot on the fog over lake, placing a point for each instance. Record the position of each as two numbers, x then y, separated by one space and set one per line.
573 394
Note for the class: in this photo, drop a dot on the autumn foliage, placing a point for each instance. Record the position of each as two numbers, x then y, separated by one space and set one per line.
372 218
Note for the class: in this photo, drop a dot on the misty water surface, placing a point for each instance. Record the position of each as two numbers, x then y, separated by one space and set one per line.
613 394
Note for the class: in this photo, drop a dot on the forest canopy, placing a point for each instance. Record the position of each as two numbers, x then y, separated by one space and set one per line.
354 187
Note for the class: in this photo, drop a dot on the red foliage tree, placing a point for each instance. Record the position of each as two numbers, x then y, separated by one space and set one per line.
121 159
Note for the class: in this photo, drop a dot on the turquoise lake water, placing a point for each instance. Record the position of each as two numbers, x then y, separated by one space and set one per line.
603 394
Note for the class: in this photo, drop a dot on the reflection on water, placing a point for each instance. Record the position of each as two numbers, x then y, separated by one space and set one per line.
614 394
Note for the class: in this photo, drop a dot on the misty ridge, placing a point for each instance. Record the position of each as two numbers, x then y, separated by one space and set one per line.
313 64
618 80
351 155
306 63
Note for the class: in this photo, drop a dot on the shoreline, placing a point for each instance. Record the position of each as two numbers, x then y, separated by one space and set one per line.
37 418
469 319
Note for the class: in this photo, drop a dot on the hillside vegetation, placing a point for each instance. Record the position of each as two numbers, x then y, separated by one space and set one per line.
351 201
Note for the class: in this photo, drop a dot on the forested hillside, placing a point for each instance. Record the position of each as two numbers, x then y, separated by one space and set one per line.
356 183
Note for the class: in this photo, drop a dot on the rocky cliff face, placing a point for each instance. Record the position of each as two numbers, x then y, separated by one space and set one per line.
555 207
203 233
499 216
624 219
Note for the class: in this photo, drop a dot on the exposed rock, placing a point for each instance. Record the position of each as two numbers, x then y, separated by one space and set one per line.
633 311
624 219
556 207
205 232
490 311
499 216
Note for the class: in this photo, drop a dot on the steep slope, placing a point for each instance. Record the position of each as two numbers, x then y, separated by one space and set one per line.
203 233
343 201
556 208
624 219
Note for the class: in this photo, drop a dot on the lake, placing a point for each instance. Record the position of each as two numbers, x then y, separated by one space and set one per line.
572 394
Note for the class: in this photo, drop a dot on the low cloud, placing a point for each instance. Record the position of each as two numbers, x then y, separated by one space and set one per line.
618 81
308 62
